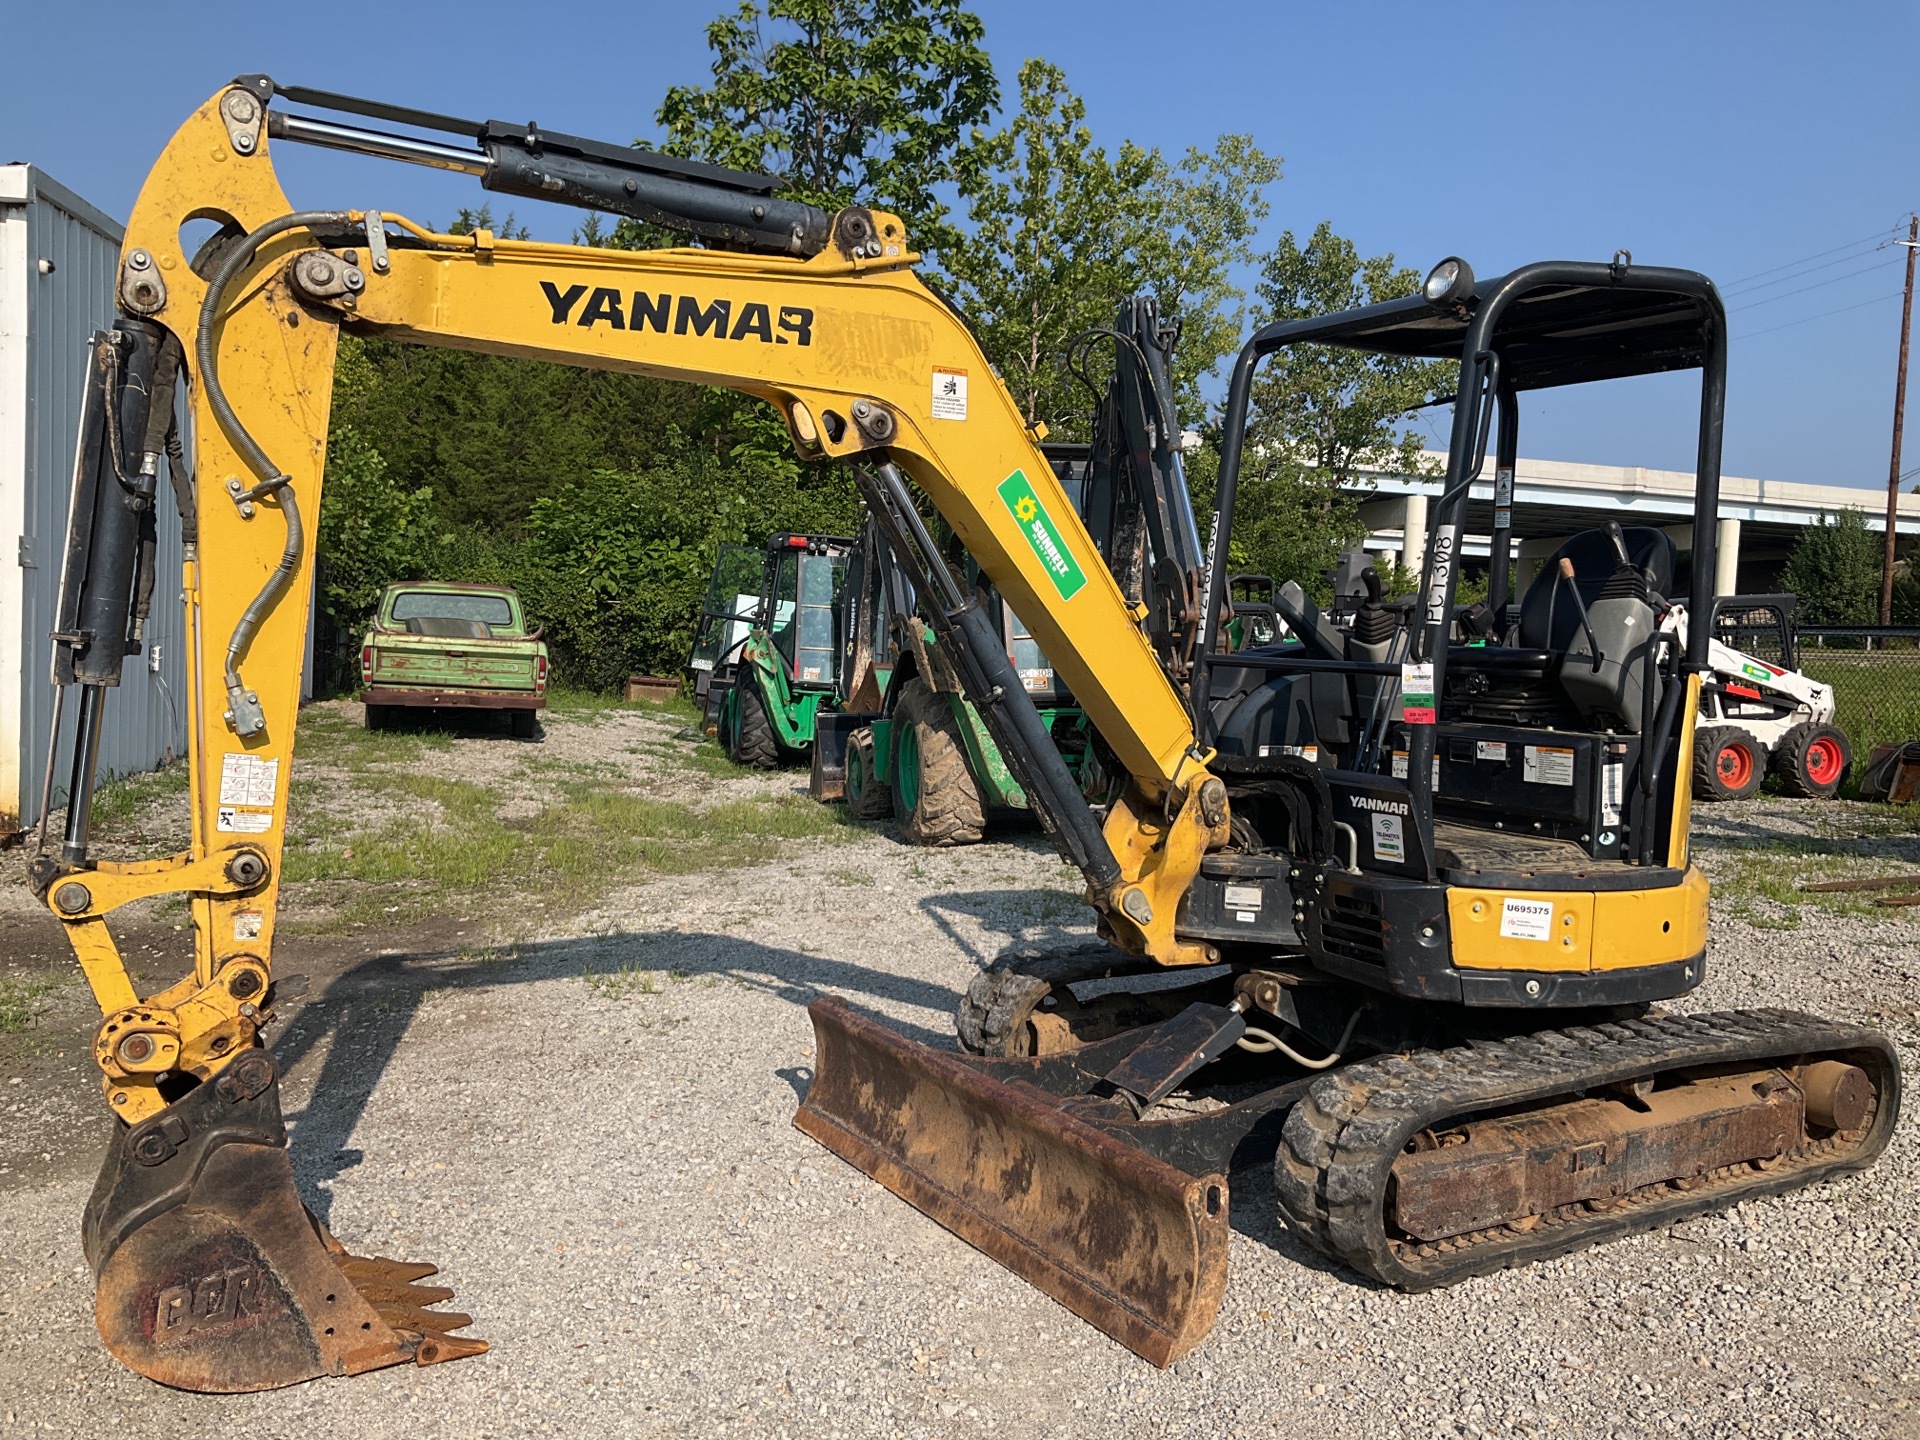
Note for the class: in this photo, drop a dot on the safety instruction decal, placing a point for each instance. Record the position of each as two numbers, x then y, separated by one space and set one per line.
1416 693
1526 919
949 393
1389 840
247 779
1490 750
247 783
1017 493
1547 765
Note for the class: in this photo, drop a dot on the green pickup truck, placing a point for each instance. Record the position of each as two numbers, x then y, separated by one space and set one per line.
437 645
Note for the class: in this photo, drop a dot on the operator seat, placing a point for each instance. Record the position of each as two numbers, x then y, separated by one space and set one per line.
1525 667
1548 616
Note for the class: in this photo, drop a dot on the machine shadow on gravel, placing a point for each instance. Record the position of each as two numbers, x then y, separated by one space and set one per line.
366 1011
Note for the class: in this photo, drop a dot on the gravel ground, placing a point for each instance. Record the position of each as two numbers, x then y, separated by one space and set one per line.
588 1128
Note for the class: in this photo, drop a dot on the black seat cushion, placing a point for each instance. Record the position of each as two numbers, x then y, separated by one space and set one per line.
1548 617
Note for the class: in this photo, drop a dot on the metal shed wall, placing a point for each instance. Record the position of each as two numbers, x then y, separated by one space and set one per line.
57 261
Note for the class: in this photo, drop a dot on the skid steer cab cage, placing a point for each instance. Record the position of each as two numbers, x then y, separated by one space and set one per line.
1547 325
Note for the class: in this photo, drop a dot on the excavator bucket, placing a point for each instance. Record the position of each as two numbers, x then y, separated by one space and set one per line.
211 1275
1126 1241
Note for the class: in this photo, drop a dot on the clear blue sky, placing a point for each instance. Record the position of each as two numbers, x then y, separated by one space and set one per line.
1731 137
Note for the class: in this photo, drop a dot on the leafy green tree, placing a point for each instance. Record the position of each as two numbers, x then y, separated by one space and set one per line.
1835 570
847 100
1062 232
1323 416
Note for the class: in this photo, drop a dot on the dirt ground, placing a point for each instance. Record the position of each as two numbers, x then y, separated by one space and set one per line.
573 1091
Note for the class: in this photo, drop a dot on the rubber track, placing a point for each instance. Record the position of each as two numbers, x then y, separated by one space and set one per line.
1340 1142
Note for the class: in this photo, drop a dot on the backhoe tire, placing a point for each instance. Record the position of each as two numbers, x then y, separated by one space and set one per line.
935 797
1812 761
1728 763
751 740
868 796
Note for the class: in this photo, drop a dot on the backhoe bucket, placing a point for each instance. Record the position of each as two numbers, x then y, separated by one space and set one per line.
211 1275
1126 1241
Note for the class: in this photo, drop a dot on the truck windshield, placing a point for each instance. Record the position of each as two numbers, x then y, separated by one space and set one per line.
493 610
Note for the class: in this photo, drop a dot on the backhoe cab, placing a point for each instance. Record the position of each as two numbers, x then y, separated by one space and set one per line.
766 662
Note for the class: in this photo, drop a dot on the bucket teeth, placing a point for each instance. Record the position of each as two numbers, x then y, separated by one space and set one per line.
387 1285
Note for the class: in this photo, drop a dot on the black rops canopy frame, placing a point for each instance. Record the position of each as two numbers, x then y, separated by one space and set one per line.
1556 323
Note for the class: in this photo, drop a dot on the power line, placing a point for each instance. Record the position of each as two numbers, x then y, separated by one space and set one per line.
1810 270
1817 285
1809 319
1818 255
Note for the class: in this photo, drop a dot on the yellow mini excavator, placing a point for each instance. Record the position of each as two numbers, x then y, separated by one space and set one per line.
1424 891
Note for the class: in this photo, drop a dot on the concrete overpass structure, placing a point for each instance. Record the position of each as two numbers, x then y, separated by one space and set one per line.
1552 499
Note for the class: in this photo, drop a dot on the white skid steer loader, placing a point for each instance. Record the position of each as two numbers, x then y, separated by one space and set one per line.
1758 714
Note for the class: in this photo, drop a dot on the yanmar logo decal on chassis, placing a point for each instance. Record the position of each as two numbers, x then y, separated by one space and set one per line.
640 310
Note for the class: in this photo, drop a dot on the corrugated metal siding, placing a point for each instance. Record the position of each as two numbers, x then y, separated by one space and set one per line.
146 715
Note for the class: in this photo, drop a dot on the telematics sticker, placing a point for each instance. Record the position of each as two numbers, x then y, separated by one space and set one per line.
949 393
1389 842
1526 919
1041 533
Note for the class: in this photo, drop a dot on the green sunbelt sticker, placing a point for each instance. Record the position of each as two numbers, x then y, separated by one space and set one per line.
1042 534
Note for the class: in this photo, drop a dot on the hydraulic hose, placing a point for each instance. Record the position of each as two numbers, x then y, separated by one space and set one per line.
1264 1042
243 706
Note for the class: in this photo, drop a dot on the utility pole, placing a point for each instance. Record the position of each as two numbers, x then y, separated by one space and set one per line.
1899 420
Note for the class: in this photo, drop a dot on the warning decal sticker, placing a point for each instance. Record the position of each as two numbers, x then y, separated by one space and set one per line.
1547 765
949 393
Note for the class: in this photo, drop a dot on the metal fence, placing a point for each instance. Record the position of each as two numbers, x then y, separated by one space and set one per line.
1875 674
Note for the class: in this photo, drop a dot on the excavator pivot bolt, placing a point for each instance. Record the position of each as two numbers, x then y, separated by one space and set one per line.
137 1048
247 869
142 291
245 985
72 898
1213 802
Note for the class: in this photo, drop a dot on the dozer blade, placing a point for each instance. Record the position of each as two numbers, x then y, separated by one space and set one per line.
211 1275
1121 1238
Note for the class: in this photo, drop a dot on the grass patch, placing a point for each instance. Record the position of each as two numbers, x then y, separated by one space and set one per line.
118 802
1762 885
628 979
1876 694
331 737
575 850
17 999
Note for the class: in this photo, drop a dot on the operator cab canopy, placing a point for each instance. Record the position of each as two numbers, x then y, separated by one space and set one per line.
1548 335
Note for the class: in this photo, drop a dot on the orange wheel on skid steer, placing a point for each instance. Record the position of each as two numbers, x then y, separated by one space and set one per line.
1728 763
1812 761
